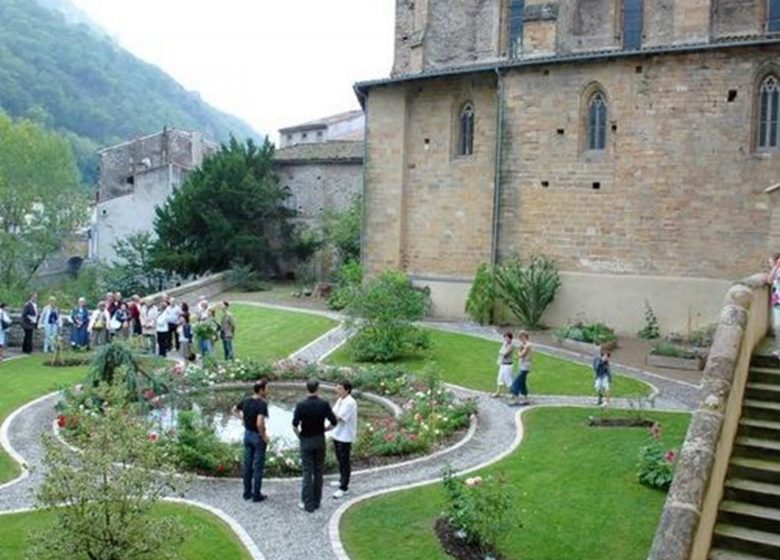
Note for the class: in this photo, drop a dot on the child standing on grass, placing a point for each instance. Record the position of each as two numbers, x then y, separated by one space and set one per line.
520 385
603 376
504 364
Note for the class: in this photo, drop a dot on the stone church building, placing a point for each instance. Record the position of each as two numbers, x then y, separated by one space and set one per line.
634 141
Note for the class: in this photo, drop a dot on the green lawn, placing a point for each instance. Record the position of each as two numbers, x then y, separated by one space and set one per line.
574 489
470 361
271 334
23 380
207 536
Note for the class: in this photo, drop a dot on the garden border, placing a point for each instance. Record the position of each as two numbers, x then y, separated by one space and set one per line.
473 422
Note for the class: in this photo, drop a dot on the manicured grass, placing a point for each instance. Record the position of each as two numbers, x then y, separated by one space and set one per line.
471 362
574 489
23 380
271 334
206 536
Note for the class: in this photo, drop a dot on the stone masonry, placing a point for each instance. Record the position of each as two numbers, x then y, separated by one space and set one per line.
678 191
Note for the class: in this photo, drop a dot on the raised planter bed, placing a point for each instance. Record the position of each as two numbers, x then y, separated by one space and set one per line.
695 363
585 347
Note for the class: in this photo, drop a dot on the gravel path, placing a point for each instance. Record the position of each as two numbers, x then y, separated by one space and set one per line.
279 529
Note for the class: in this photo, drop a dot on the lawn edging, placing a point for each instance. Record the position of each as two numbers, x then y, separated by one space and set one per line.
240 533
5 442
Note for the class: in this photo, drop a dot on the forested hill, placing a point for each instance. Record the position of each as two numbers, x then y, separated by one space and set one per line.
79 82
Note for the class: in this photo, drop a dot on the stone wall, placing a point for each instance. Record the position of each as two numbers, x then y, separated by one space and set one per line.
428 209
679 189
690 511
433 34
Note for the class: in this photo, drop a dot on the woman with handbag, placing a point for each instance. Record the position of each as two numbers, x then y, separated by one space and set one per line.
98 325
79 318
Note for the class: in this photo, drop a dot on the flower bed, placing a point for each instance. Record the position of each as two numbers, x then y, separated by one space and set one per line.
430 415
586 337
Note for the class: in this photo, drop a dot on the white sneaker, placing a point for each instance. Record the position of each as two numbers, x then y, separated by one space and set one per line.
339 493
334 483
301 506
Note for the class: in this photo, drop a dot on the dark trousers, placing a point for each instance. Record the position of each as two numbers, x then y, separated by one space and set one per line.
227 346
254 465
173 336
163 340
27 343
343 451
519 384
313 464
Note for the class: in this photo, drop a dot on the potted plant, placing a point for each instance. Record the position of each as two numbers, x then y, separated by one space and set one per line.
589 338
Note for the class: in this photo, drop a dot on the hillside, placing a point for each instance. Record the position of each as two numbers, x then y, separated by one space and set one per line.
79 82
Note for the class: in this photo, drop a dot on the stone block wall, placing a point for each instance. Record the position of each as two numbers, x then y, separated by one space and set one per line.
429 209
679 189
433 34
319 187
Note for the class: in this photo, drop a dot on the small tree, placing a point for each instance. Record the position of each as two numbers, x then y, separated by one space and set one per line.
117 363
528 289
482 296
102 497
381 315
135 271
342 230
650 330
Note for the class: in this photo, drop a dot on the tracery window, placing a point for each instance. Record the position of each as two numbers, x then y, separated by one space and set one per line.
597 122
768 106
466 130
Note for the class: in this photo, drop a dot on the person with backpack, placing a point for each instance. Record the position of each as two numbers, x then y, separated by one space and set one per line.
603 377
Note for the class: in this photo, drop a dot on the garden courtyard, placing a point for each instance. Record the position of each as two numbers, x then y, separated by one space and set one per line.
572 489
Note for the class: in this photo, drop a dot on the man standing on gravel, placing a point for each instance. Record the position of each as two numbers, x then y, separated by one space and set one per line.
309 424
254 412
346 410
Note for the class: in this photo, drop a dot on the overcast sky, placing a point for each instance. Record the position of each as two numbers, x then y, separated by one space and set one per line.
272 63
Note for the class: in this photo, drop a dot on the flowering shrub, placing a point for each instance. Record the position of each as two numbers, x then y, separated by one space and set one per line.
195 446
656 465
477 509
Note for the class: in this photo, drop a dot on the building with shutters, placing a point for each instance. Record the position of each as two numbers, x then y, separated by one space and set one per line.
634 141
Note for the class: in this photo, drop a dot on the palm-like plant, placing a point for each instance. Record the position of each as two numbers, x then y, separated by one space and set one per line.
527 289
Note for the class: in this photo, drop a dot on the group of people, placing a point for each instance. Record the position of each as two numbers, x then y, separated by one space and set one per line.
517 385
313 417
164 324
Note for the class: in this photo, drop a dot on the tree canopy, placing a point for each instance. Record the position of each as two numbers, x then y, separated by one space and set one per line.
232 209
41 201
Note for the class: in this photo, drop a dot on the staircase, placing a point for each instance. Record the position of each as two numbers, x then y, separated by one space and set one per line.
748 526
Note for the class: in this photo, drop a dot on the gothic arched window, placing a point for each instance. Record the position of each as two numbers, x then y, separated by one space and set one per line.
597 122
466 130
768 106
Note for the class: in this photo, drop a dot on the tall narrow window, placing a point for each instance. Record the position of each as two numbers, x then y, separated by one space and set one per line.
773 16
768 106
516 8
633 19
466 130
597 122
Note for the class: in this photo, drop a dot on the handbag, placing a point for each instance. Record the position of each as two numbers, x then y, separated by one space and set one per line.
114 324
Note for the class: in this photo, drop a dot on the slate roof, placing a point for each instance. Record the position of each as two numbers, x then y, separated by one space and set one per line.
335 151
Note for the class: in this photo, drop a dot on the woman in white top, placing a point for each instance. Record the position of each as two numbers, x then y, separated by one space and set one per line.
51 321
161 326
148 318
504 379
5 324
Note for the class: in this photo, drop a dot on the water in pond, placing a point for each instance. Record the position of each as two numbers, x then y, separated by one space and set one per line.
215 406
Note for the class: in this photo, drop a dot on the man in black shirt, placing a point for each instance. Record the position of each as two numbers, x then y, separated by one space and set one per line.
309 423
254 411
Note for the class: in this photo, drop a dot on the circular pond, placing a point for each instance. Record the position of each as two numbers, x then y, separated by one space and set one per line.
215 408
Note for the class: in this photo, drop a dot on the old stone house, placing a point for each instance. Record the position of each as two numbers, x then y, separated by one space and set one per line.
631 140
136 177
320 165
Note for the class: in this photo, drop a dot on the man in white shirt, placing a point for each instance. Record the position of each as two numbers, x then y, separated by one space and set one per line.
345 432
163 332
